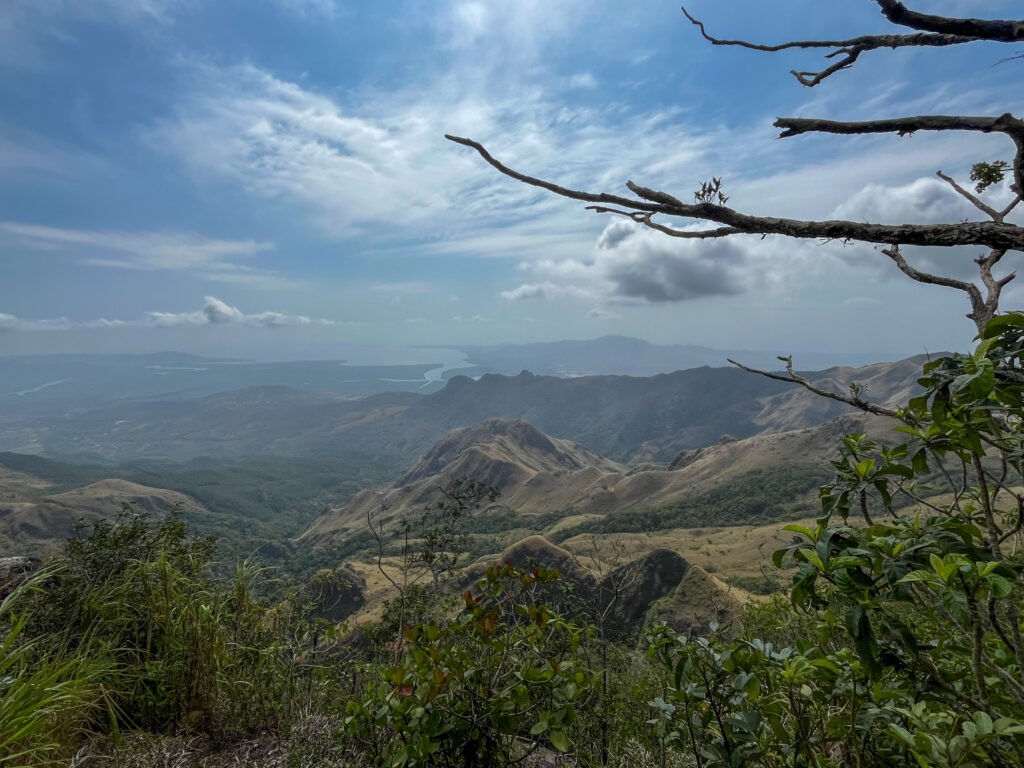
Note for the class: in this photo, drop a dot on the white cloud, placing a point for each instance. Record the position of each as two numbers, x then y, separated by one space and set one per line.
380 165
217 312
633 264
922 201
9 323
602 314
214 312
377 165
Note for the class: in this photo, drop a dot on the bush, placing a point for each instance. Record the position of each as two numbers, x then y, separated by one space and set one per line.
485 688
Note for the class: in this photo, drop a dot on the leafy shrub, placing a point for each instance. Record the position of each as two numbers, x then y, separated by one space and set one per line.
907 642
481 689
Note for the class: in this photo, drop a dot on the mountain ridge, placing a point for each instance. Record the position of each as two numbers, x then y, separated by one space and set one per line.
627 419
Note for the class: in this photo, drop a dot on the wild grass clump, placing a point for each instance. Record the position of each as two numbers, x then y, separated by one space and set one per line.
46 690
129 630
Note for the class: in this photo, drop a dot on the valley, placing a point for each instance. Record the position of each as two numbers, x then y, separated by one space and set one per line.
703 462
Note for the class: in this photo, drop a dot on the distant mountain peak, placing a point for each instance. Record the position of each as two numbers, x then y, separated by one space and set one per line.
512 442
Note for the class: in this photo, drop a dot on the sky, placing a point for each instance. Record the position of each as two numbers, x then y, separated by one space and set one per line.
270 177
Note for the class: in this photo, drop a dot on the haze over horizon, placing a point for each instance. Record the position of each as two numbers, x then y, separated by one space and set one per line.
270 180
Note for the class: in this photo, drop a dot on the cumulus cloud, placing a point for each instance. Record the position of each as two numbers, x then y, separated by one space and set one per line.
922 201
602 314
213 312
637 265
217 312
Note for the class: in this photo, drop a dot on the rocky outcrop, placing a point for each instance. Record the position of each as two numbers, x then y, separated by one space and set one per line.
659 585
338 593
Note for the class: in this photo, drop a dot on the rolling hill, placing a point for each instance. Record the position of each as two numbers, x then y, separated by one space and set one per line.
35 516
559 488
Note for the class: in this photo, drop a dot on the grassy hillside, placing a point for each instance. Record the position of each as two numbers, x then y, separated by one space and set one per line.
247 505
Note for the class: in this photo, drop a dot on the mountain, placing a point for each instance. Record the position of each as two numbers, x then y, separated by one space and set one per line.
534 472
625 418
558 487
658 584
634 357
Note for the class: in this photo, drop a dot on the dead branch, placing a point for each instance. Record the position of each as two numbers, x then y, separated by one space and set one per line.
1007 123
645 220
987 233
973 199
992 30
792 377
846 52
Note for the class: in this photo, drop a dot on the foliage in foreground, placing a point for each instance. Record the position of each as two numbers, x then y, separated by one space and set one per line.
910 646
900 642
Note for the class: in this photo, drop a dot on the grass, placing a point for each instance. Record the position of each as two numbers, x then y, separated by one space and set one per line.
43 690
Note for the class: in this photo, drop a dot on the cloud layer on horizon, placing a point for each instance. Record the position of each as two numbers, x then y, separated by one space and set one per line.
214 312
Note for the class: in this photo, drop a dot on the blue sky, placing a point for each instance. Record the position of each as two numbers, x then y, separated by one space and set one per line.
270 176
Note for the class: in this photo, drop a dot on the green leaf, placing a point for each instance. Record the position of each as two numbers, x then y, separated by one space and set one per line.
778 556
803 529
846 561
812 557
984 723
998 586
559 740
919 576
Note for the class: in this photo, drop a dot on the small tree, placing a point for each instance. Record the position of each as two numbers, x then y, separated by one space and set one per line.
431 547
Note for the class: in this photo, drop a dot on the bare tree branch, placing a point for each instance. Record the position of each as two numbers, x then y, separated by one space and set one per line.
923 277
994 30
934 31
792 377
987 233
974 200
846 51
645 219
983 309
1008 124
1009 209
